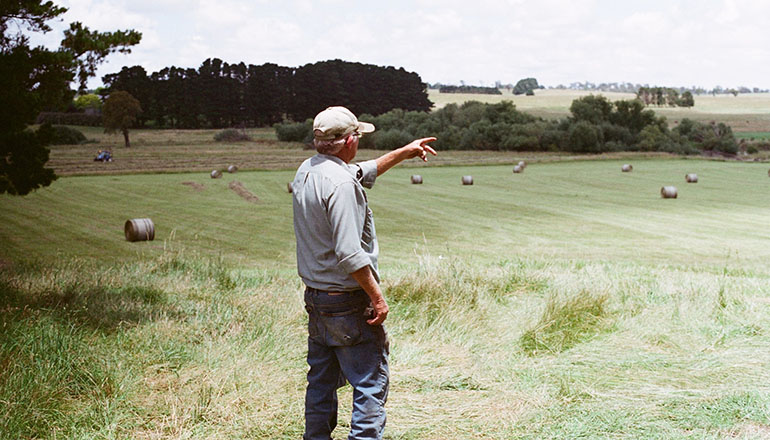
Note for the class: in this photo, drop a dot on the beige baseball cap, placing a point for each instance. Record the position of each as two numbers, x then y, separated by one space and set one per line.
338 122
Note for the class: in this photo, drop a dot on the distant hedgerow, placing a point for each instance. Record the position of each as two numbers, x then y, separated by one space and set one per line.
294 131
232 135
61 135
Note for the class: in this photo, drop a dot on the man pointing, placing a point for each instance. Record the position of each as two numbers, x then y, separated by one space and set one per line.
337 260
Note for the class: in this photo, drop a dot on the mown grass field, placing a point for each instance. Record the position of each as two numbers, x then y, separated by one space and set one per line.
569 301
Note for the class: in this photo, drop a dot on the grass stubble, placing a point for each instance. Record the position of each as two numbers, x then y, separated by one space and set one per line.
187 347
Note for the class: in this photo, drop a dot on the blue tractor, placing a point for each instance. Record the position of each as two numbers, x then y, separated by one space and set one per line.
103 156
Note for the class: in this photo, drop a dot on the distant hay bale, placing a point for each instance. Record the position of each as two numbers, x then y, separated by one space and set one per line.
627 168
416 179
139 229
691 178
518 169
289 188
522 164
232 169
668 192
467 180
216 174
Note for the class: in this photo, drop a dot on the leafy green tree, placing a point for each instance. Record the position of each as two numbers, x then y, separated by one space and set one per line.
120 113
632 115
35 79
88 101
584 138
686 100
526 85
592 108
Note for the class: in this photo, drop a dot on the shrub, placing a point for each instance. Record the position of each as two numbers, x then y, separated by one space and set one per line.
652 138
61 135
584 138
616 133
231 135
391 139
61 118
295 131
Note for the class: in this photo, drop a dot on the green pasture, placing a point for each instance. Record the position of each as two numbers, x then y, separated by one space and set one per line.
569 301
586 210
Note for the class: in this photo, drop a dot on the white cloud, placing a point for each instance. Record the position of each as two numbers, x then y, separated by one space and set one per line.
666 42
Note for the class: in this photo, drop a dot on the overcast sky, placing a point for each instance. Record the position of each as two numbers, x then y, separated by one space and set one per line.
658 42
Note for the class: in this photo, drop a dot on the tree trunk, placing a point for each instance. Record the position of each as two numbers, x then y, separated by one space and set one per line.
125 136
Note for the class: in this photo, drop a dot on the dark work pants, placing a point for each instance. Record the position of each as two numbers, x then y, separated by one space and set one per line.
342 346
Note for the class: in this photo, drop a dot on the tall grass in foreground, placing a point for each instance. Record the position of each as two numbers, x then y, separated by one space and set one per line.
184 347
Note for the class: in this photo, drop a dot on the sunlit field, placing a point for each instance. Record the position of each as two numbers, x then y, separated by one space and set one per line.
569 301
749 112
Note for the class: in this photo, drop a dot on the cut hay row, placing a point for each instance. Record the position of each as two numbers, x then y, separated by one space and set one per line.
194 185
242 191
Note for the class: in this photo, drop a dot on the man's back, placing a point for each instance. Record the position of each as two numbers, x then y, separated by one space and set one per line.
332 222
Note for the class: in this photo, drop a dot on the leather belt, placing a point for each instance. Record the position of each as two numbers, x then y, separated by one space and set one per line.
333 293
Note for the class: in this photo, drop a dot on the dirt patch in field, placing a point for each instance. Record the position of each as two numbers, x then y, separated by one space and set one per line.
194 185
243 192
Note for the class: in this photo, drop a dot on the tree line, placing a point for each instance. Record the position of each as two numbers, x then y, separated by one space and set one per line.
665 96
470 89
219 94
596 125
627 87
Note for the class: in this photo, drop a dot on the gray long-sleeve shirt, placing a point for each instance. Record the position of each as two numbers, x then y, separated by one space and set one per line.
333 224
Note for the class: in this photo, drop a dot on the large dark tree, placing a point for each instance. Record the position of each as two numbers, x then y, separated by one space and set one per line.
120 113
35 79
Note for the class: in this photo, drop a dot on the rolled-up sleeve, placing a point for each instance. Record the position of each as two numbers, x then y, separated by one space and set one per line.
368 173
346 211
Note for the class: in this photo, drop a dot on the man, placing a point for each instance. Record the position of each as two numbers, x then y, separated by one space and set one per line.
337 260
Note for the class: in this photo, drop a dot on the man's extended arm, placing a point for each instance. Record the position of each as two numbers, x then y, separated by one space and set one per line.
417 147
365 279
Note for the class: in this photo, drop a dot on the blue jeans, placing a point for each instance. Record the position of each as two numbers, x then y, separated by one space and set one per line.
342 346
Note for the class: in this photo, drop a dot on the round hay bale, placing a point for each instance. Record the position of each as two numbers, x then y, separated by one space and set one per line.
467 180
691 178
139 229
289 188
518 169
232 169
522 164
416 179
668 192
627 168
216 174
